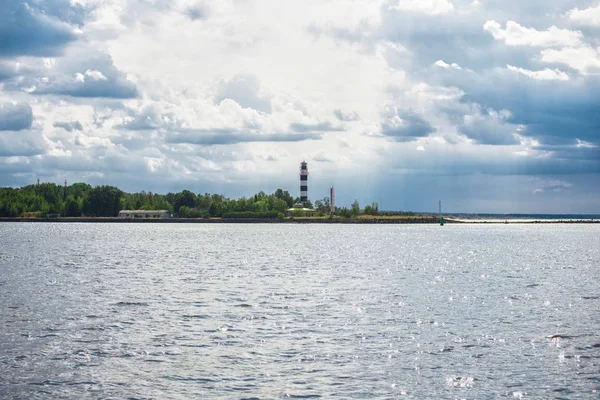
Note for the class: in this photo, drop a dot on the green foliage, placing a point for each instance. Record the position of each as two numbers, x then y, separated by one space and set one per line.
343 212
323 206
71 207
285 196
372 209
253 214
103 201
355 210
184 198
298 212
186 212
83 200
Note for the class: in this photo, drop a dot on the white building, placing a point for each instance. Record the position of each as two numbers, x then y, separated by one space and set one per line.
144 214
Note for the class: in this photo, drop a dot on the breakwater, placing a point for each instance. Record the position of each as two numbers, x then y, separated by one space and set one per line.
423 220
413 220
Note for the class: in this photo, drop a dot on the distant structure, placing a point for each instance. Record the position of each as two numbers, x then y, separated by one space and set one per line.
303 182
331 201
143 214
299 209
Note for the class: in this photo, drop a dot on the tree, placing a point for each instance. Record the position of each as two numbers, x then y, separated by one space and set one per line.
323 205
355 210
285 196
184 198
71 208
372 209
279 205
103 201
343 212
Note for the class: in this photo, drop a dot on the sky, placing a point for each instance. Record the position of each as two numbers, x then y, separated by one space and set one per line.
491 106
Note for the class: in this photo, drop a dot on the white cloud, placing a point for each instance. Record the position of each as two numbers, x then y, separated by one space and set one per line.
546 74
442 64
216 88
432 7
584 59
95 75
517 35
588 16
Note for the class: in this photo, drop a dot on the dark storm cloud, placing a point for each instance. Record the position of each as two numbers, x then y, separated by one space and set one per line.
29 29
211 137
69 126
490 128
319 127
404 125
244 90
553 111
15 117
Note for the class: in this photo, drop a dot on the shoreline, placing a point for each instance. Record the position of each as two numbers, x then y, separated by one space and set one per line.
417 220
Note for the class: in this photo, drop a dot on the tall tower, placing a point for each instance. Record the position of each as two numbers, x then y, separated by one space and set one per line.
303 182
331 201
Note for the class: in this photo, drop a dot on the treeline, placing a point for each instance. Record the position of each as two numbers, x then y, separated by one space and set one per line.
83 200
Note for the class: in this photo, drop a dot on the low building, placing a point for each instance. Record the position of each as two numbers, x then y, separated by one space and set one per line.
300 212
131 214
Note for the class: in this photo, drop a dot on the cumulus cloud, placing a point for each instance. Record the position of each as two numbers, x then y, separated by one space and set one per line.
404 125
244 89
325 157
588 16
210 137
489 127
507 102
346 116
583 59
150 117
517 35
433 7
68 126
442 64
83 73
23 143
27 30
15 117
198 11
7 70
546 74
317 127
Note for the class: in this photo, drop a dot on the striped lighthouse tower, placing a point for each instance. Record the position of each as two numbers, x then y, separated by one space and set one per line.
303 182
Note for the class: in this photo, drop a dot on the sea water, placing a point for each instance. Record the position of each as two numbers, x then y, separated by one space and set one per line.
271 311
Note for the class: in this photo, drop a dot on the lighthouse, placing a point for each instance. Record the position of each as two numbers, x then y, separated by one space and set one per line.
303 182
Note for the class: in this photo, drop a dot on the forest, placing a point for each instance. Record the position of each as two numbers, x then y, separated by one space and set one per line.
83 200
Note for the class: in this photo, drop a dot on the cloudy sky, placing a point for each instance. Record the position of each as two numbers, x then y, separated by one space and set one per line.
487 105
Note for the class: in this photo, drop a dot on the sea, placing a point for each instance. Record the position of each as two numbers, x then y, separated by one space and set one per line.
276 311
